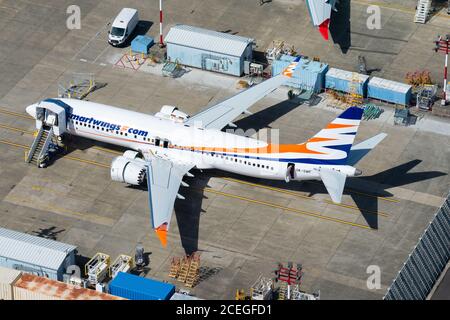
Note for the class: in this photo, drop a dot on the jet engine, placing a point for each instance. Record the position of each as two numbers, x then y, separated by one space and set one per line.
129 168
172 113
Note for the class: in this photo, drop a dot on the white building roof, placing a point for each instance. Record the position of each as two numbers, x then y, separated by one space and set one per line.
8 276
33 250
347 75
208 40
389 85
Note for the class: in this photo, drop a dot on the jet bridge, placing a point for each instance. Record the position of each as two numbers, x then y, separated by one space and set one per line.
51 122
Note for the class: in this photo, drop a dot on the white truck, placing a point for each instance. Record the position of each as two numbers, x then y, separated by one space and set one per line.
123 26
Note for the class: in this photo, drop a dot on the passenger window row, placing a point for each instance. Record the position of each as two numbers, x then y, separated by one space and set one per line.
245 162
112 131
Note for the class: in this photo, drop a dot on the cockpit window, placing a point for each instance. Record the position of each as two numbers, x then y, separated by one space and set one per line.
117 31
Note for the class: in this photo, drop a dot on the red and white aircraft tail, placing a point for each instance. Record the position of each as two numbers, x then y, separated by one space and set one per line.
320 12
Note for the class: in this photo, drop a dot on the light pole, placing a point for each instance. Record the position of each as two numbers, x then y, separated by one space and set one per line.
161 42
443 45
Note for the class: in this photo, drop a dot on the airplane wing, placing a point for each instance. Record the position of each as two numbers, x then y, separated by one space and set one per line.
223 113
163 180
320 12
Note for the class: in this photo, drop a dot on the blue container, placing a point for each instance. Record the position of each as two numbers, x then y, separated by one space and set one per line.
309 75
132 287
141 44
389 91
346 81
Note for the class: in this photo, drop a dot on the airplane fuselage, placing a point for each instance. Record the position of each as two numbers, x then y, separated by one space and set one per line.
206 148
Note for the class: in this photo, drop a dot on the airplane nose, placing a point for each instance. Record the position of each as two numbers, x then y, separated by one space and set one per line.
358 172
31 110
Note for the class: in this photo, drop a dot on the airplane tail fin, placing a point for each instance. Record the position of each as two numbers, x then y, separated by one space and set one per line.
289 71
333 143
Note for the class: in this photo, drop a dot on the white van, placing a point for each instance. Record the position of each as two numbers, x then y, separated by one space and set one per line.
123 25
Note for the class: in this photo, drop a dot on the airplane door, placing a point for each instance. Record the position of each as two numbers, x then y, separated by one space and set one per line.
290 172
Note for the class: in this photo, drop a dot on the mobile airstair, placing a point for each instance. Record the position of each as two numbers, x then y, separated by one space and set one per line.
422 11
51 123
39 149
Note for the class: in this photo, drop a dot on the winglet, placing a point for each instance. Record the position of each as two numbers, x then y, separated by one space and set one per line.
161 232
323 29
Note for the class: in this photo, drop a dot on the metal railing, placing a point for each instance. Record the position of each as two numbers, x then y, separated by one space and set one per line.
426 262
34 145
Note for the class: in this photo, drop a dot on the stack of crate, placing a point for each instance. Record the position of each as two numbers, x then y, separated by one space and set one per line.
186 269
174 268
193 272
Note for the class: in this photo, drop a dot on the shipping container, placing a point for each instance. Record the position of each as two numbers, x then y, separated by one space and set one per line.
389 91
208 50
7 279
309 75
346 81
137 288
31 287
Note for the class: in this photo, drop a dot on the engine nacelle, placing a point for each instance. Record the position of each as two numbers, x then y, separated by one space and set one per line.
171 113
128 170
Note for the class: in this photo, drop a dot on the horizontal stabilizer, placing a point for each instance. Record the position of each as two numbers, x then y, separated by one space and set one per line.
359 151
334 181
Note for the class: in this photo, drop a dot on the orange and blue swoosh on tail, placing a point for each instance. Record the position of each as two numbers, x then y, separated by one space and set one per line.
333 143
289 71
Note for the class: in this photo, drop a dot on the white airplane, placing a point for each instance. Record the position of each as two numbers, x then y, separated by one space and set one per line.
320 12
165 146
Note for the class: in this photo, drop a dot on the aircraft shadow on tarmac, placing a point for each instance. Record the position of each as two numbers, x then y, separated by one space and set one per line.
188 212
367 205
340 28
262 119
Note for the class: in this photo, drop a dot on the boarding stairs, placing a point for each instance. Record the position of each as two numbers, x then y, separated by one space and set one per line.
422 11
40 146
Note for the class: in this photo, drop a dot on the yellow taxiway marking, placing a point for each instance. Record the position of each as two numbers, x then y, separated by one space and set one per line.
65 156
15 114
15 129
362 193
32 132
292 210
63 211
303 196
107 150
312 214
248 183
